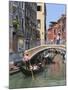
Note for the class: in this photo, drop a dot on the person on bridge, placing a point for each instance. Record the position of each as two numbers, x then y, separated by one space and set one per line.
58 38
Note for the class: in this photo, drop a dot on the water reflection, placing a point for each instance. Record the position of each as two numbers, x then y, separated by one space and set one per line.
54 74
48 78
56 68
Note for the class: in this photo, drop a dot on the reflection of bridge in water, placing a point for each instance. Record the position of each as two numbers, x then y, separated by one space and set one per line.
33 51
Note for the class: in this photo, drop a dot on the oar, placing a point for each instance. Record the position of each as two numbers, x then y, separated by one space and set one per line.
31 71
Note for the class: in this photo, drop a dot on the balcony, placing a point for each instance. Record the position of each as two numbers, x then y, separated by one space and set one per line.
20 33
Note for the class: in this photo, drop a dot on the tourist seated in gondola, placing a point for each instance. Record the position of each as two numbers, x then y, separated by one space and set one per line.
34 67
40 64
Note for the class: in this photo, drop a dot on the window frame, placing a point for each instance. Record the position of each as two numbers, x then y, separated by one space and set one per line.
39 8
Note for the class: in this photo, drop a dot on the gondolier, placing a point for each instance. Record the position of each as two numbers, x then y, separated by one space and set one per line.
26 60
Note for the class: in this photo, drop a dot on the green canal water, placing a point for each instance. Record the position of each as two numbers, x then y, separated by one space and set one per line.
52 76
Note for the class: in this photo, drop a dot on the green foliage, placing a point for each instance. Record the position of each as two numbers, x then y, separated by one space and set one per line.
15 24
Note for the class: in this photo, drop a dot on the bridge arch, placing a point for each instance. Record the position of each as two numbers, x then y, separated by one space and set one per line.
33 51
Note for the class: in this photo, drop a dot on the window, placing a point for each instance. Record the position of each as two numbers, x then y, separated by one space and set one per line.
54 31
20 44
38 8
22 5
39 23
22 24
14 33
16 17
14 9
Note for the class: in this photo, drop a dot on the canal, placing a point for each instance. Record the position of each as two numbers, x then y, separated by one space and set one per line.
54 75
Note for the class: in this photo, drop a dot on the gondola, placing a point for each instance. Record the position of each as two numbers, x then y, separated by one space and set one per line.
29 72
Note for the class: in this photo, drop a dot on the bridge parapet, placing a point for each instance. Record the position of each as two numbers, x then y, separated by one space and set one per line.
33 51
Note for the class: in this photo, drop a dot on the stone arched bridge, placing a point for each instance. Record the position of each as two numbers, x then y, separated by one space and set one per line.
33 51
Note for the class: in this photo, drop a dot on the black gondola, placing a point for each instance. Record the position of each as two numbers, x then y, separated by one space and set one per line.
29 72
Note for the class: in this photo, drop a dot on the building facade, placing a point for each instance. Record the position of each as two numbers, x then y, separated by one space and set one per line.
41 21
57 29
30 24
22 25
16 26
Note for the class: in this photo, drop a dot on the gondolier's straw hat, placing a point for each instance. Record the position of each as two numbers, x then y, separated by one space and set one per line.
25 53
